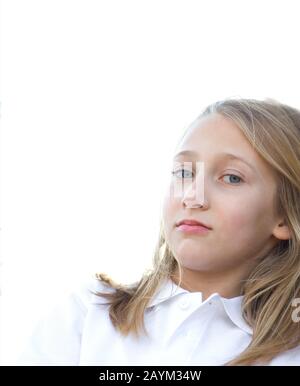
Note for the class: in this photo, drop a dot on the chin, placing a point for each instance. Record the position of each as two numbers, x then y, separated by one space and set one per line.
196 263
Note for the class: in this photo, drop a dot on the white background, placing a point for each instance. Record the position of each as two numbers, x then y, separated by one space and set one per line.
95 97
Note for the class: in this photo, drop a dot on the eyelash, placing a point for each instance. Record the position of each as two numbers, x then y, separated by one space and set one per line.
229 174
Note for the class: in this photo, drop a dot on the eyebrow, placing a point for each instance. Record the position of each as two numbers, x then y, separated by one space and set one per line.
220 155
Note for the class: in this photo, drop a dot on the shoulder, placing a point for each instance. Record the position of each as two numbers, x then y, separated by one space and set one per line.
90 290
87 291
287 358
56 337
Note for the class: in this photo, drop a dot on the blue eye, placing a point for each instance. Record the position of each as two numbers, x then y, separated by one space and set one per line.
235 176
181 175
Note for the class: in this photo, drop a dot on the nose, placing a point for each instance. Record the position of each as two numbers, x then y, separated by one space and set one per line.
193 192
191 199
192 205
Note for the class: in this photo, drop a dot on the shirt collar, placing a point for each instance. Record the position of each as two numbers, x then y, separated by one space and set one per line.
232 306
167 290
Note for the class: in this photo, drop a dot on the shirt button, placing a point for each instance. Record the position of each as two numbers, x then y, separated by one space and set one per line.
184 304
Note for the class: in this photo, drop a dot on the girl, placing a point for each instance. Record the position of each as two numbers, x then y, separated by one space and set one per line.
224 288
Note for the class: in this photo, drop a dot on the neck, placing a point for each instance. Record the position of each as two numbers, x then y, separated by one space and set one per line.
226 283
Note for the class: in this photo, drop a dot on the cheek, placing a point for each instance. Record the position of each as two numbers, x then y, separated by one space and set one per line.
238 220
170 210
243 220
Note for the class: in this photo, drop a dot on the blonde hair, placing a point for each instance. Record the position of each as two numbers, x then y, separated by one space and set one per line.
273 129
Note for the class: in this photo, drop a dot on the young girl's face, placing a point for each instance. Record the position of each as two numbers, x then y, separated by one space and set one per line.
238 200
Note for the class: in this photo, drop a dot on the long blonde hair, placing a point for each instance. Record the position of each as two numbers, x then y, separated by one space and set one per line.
273 129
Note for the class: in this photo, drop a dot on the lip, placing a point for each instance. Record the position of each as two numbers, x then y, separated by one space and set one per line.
192 223
196 229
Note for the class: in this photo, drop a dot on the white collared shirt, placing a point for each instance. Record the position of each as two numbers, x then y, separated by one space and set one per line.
183 330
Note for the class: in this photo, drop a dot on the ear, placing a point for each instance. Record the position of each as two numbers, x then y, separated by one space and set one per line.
282 231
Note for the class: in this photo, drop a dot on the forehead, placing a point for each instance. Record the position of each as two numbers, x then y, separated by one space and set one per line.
215 130
214 137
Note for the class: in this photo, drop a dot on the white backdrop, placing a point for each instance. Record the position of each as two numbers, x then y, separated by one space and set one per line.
95 96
